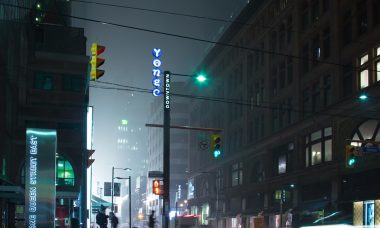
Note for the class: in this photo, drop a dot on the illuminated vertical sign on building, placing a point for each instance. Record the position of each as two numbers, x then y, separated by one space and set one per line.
167 89
156 72
40 195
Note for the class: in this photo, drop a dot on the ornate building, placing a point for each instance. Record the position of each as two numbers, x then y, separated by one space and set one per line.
290 83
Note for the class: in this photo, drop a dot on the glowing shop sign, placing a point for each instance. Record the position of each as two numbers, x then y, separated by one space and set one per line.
40 178
156 72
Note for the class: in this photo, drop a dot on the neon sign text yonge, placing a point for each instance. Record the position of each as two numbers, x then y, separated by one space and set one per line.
156 72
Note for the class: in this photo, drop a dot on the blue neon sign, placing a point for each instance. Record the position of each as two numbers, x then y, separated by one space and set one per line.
156 72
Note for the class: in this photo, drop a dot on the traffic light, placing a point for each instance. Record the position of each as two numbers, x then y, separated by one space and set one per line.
351 158
157 187
96 62
89 159
216 145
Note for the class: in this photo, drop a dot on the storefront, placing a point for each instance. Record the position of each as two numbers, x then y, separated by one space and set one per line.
366 213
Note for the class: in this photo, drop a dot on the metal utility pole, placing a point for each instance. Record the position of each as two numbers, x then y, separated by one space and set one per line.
166 157
113 171
130 202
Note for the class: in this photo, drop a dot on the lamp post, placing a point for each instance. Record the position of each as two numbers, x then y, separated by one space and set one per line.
112 187
130 198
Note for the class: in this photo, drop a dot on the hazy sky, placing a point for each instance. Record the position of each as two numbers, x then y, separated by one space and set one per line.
129 61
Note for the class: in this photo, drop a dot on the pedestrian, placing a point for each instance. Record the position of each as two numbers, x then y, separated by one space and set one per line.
101 217
152 220
113 219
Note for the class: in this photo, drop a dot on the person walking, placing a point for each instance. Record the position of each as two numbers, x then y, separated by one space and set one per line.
152 220
101 217
113 219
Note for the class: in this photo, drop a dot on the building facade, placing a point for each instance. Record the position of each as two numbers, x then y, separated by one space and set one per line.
44 85
289 88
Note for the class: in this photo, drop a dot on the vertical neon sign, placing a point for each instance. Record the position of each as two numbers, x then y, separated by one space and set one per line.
40 189
156 72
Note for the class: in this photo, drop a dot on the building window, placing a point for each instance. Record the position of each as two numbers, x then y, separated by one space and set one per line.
43 81
362 17
290 70
205 214
305 103
316 99
327 92
289 29
237 174
305 54
348 83
377 63
318 147
282 164
220 179
257 171
65 172
72 83
368 130
326 43
316 50
347 28
363 75
376 10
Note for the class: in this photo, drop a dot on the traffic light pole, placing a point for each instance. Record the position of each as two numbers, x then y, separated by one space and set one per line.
166 157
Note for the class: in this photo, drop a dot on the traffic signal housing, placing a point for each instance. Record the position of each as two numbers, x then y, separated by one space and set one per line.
351 158
157 190
89 159
216 145
96 62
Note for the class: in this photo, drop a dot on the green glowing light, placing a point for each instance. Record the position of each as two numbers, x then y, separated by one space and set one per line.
363 97
201 78
124 122
217 153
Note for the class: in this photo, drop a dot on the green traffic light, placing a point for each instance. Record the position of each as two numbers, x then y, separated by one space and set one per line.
351 161
363 97
217 153
201 78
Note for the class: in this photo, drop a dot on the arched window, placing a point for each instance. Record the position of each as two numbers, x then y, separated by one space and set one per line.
368 130
64 172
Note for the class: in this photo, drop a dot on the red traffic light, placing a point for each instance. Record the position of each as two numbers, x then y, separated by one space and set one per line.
157 187
95 62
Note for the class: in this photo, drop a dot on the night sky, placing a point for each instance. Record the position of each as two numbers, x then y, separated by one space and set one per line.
129 61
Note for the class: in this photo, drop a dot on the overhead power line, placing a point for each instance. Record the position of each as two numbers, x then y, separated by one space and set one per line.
284 108
242 23
197 39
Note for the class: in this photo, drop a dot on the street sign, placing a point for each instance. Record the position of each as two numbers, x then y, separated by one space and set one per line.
359 150
203 145
370 150
155 174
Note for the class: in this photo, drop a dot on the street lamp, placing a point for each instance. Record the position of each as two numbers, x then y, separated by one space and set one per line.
112 190
130 198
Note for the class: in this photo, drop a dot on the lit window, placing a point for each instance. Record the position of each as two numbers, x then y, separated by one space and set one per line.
318 148
378 51
363 60
378 71
282 164
316 154
364 79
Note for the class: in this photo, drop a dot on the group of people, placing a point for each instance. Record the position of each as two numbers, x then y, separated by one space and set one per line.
102 218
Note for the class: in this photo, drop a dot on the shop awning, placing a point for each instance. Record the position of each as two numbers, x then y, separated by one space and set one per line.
97 201
9 191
